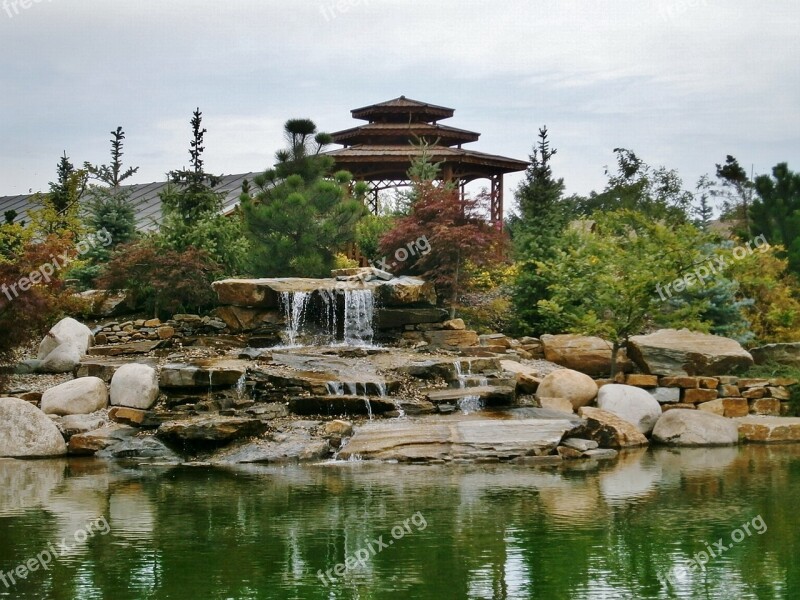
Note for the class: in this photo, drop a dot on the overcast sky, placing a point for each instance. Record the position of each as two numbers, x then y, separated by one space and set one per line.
681 82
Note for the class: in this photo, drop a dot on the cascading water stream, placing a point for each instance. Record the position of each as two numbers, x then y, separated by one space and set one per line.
359 310
359 306
471 403
294 306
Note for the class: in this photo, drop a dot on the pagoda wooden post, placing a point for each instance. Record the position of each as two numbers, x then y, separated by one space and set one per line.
496 209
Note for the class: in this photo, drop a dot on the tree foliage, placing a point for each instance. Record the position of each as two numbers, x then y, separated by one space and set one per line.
192 211
25 315
107 209
736 191
655 192
300 214
604 281
114 174
455 231
163 281
544 213
775 213
59 209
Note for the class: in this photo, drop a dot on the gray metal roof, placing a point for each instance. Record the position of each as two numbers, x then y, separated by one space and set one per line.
144 198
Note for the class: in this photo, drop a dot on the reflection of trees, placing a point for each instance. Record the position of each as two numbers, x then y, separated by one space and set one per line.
494 531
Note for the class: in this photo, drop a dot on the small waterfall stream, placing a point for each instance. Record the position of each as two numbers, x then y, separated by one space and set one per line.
471 403
359 310
358 389
294 307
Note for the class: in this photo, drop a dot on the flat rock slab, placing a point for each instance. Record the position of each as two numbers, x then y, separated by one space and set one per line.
490 395
434 439
266 293
671 352
124 349
769 429
210 429
203 373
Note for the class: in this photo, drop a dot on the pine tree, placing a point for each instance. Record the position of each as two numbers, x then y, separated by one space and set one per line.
704 211
112 175
192 211
737 191
299 214
543 216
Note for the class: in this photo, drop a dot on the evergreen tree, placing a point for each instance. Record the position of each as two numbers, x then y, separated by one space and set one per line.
703 211
775 213
60 207
736 192
108 211
192 211
114 174
543 216
300 213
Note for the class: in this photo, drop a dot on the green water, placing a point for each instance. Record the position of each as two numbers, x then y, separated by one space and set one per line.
471 531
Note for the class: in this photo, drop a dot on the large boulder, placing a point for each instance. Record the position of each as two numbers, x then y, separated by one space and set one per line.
672 352
783 354
633 404
578 388
590 355
26 432
81 396
66 331
134 385
682 427
608 429
63 359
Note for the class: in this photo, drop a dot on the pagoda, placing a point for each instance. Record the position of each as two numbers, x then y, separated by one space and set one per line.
381 151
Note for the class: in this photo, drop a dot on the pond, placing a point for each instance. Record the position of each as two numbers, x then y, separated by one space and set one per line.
691 523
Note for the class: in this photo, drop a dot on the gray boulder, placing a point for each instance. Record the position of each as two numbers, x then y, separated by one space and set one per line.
66 331
26 432
633 404
683 427
63 359
578 388
81 396
682 352
135 386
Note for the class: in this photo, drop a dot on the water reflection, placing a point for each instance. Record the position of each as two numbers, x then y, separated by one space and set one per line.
621 530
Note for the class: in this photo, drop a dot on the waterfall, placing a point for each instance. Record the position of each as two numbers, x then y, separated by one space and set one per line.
359 309
294 306
241 386
359 306
471 403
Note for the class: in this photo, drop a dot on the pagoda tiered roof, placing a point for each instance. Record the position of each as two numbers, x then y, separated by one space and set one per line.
384 148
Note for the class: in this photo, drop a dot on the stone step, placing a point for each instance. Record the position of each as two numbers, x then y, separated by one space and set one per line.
490 395
340 405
